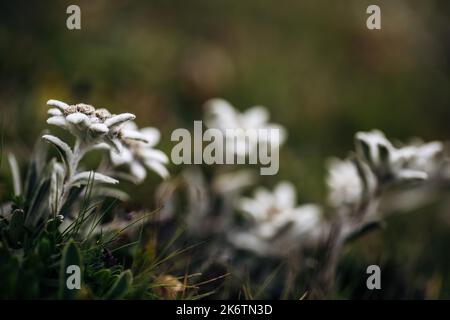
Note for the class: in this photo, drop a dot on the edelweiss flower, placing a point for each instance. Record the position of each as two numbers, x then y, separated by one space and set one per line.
88 124
388 162
346 186
277 220
422 157
221 115
233 182
136 150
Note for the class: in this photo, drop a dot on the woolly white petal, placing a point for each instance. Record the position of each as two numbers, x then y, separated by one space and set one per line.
99 128
138 171
151 134
115 144
129 125
59 104
134 135
430 149
344 183
63 147
59 121
158 168
54 112
270 229
412 175
264 198
260 206
251 208
102 146
249 242
77 118
306 217
119 119
372 140
276 135
255 117
234 181
220 114
123 157
285 195
154 154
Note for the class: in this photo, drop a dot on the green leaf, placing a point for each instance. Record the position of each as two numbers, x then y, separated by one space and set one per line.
83 178
103 277
44 248
37 203
63 148
71 255
17 181
36 167
56 186
120 287
10 277
16 227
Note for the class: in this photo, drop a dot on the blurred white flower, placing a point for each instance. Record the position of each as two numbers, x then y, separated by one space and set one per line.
390 163
277 220
136 151
422 157
89 125
233 182
220 114
345 186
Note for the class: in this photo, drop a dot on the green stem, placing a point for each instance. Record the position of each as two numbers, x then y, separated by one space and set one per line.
79 150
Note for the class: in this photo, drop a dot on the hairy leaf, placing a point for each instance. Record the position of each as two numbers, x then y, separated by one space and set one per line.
83 178
121 286
71 255
63 148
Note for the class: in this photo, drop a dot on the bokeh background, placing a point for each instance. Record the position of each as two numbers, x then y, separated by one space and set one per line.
313 64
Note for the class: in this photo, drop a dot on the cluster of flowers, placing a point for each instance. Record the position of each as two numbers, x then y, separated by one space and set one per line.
277 224
98 128
377 165
220 114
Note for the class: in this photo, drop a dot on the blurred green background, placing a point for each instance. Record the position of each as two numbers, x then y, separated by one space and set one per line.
314 64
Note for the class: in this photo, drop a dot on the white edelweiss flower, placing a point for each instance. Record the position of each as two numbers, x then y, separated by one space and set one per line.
422 157
220 114
390 163
233 182
277 219
137 151
346 186
88 124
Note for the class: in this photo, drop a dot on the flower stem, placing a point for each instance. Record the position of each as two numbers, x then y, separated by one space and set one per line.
79 150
